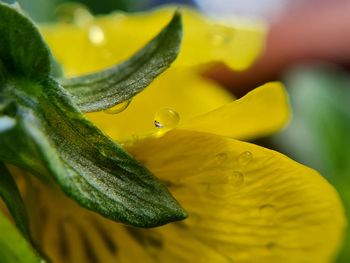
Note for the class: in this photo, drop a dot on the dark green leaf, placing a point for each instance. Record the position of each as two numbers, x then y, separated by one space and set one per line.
22 49
54 138
102 90
12 198
47 135
13 246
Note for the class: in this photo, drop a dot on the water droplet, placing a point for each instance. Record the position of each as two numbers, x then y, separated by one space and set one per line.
221 35
236 179
267 210
221 157
118 108
96 35
166 118
73 13
245 157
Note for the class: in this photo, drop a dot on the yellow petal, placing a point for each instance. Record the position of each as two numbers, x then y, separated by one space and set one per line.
180 89
107 40
245 203
261 112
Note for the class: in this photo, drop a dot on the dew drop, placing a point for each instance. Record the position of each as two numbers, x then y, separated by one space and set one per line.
221 35
245 157
221 157
166 118
267 210
73 13
96 35
236 179
118 108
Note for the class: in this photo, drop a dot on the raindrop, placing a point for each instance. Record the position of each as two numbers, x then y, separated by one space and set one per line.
236 179
221 35
73 13
267 210
221 157
96 35
166 118
118 108
245 157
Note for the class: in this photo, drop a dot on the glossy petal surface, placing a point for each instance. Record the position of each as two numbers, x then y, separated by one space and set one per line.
182 90
105 41
261 112
245 204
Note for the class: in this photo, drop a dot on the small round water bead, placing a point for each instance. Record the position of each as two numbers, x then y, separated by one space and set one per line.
221 35
118 108
245 158
166 118
236 179
73 13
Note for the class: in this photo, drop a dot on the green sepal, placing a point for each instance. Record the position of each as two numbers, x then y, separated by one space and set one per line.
55 139
102 90
22 49
13 246
52 139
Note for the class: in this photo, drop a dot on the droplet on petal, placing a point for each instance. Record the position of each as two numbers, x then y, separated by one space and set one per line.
96 35
118 108
267 211
73 13
236 179
245 157
166 118
221 157
221 35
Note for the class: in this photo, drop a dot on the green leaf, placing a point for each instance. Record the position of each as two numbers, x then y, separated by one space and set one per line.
102 90
13 246
22 49
55 138
13 200
48 135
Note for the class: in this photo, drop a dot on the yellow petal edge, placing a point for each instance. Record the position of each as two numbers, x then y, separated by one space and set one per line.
261 112
107 40
245 203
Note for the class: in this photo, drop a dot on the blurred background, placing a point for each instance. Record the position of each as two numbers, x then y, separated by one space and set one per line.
308 48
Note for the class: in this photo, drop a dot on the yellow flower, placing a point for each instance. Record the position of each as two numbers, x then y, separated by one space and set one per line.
245 203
